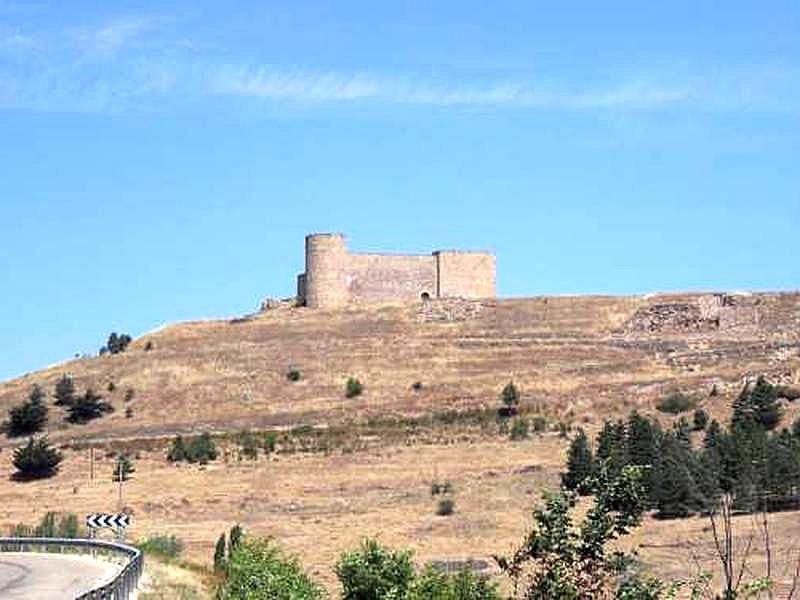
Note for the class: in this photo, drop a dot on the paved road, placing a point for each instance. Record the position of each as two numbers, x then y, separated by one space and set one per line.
31 576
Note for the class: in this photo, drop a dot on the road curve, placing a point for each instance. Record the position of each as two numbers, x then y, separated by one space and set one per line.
35 576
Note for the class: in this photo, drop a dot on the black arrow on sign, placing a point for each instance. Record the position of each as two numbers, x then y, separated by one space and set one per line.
101 520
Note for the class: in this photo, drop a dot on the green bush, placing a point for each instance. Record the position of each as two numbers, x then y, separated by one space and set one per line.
52 525
540 424
353 388
30 416
464 585
417 386
200 449
676 403
441 488
445 507
36 460
270 442
700 420
258 570
374 572
68 526
519 429
248 444
293 375
164 546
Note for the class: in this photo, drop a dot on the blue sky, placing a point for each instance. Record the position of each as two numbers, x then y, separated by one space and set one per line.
163 161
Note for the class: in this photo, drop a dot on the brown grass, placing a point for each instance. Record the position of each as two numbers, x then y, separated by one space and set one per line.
565 353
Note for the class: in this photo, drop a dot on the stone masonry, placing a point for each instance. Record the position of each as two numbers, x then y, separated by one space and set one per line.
335 277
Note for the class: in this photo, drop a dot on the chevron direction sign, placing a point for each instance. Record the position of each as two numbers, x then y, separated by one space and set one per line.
100 520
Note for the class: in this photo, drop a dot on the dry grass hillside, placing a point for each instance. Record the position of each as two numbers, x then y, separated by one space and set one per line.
369 466
574 357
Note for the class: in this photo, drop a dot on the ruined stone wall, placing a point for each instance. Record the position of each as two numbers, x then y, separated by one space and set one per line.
726 313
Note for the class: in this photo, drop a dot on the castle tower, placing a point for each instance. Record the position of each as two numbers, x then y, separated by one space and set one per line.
324 284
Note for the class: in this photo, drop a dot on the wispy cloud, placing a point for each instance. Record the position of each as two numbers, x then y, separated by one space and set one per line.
133 61
112 36
17 41
306 86
264 82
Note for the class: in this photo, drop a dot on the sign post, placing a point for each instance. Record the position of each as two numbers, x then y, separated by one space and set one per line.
118 522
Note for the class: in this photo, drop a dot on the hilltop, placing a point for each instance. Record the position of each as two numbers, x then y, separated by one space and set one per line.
575 358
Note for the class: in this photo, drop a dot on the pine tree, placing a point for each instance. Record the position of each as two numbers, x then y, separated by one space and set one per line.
764 399
509 396
611 448
123 467
87 407
30 416
235 537
642 442
749 459
759 403
707 477
783 469
580 464
65 391
675 489
117 343
36 460
220 554
720 457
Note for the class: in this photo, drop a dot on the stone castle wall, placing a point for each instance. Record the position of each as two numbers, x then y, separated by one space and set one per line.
335 278
465 274
383 278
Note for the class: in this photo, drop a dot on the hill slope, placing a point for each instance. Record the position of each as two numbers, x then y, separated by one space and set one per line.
582 356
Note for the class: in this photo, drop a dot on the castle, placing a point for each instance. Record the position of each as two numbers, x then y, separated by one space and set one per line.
335 277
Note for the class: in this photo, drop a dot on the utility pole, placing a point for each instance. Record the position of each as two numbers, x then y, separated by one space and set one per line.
119 475
91 462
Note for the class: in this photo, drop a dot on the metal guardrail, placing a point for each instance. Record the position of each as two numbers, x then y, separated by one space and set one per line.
119 588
